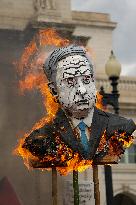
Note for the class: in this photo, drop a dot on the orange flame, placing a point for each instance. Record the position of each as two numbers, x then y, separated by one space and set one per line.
126 140
33 56
99 103
50 37
75 164
31 72
119 142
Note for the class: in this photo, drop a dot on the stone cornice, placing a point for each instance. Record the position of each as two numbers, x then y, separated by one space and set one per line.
92 19
75 23
89 16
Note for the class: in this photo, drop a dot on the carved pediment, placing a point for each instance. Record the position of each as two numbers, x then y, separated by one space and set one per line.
52 10
47 11
45 4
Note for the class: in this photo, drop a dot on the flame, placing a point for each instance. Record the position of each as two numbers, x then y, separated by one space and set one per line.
126 140
51 107
32 77
118 143
29 51
31 81
51 37
33 56
102 142
99 103
75 164
75 161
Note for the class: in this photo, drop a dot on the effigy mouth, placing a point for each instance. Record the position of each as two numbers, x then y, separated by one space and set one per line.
82 102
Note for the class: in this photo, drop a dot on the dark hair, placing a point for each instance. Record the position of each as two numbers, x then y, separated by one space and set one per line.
59 54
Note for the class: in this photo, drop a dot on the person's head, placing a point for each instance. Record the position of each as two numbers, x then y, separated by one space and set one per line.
71 77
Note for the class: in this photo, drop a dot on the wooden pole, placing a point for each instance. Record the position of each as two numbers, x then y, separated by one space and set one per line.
76 187
96 185
54 186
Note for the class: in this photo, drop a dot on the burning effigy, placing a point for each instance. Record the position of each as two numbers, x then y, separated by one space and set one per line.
75 134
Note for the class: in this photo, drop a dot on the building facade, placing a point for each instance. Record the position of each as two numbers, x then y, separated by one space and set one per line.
19 21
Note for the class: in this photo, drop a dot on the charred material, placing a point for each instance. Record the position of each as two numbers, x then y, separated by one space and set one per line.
58 139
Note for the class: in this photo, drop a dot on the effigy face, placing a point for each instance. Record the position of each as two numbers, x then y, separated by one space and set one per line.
75 85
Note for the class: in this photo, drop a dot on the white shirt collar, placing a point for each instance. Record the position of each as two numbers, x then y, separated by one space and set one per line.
87 120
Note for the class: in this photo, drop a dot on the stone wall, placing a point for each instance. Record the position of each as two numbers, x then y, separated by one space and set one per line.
16 14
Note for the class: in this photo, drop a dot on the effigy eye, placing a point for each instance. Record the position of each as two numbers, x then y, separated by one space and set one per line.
71 81
86 79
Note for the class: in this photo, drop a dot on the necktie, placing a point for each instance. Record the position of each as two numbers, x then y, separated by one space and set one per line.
83 138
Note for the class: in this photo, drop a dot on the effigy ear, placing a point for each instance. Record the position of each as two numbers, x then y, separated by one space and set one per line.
53 89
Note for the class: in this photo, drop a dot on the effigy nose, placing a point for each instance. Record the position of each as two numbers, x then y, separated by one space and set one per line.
81 88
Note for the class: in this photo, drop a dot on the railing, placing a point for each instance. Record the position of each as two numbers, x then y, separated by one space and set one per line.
125 83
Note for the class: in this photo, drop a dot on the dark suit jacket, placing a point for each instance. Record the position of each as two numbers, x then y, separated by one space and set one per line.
45 142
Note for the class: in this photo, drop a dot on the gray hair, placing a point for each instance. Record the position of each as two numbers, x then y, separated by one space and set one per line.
59 54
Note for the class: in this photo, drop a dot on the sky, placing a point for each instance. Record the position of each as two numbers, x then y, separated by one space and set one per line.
124 36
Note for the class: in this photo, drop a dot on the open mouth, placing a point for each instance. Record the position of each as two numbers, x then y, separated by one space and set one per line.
82 102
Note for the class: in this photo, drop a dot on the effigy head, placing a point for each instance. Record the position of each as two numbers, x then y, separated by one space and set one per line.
70 74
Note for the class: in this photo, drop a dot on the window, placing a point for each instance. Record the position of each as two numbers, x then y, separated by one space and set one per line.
129 155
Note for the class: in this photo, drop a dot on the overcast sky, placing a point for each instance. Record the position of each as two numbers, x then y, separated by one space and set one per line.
124 37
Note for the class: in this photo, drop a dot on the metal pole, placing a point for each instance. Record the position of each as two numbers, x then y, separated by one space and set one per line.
114 84
76 187
54 186
107 168
96 185
108 184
